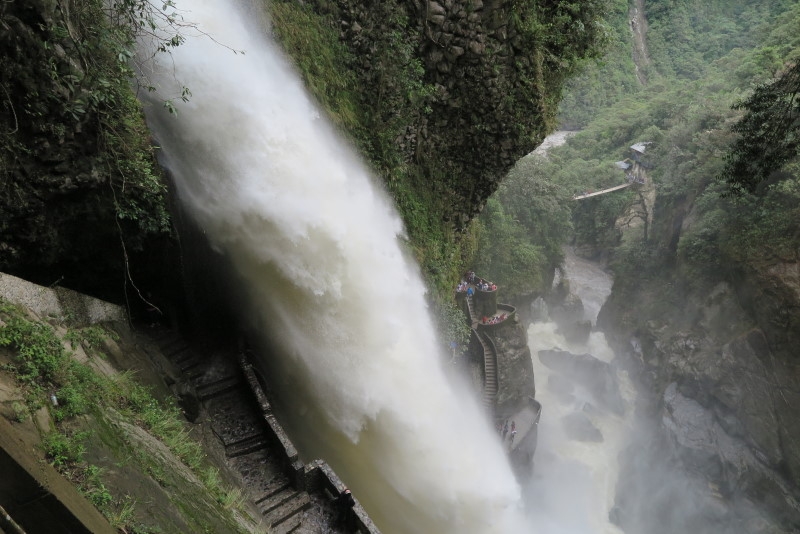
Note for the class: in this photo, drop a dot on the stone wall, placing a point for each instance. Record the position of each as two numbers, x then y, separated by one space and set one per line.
515 379
58 302
514 366
485 302
487 102
722 377
315 477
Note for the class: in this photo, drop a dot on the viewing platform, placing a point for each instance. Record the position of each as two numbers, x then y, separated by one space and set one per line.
497 344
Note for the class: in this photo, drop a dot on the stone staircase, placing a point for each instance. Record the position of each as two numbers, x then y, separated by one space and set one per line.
235 420
473 318
490 372
489 359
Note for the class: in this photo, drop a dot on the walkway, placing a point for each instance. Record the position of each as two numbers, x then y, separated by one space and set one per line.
526 421
602 192
232 417
489 359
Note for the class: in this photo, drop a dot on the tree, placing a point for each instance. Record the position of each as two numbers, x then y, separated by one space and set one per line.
769 133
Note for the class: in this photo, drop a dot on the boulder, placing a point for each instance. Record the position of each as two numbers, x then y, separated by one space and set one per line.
561 388
596 376
579 428
576 332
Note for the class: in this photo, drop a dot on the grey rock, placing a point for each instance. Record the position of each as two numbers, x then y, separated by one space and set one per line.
579 428
596 376
576 332
561 388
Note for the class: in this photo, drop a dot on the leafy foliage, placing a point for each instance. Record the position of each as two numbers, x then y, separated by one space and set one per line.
706 56
602 82
567 32
322 60
769 133
523 228
43 365
75 154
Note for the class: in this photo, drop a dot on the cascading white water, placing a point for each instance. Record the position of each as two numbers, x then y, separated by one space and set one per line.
574 485
317 247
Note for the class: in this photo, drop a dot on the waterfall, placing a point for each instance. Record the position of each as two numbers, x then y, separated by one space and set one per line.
318 250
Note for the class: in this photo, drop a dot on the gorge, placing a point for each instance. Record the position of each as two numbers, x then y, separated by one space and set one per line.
316 247
339 271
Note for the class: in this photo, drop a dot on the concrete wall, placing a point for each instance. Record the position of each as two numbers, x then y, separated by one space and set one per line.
485 302
59 302
316 477
37 497
502 308
321 478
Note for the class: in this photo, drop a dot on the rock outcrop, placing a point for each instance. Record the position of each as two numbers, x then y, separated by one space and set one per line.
595 376
78 178
491 84
514 367
723 373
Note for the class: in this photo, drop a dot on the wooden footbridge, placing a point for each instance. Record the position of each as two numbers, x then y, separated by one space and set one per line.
602 192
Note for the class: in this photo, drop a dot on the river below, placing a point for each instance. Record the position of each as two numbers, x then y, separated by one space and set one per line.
573 487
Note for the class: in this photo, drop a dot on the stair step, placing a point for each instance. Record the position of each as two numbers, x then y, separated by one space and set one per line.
169 339
164 336
275 486
289 507
218 387
277 500
246 446
194 372
181 355
173 350
189 363
288 526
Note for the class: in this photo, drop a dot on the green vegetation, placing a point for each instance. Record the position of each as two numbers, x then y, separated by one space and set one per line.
605 81
50 374
322 60
769 133
690 110
523 228
376 89
697 127
76 158
91 336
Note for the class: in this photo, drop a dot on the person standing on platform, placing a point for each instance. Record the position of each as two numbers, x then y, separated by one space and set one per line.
344 505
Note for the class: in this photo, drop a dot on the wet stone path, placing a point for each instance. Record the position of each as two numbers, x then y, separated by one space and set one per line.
234 417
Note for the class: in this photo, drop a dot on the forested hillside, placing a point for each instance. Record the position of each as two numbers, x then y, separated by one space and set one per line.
699 70
706 298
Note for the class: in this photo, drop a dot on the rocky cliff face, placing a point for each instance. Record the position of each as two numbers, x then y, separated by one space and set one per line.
491 74
77 177
514 366
718 363
468 86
